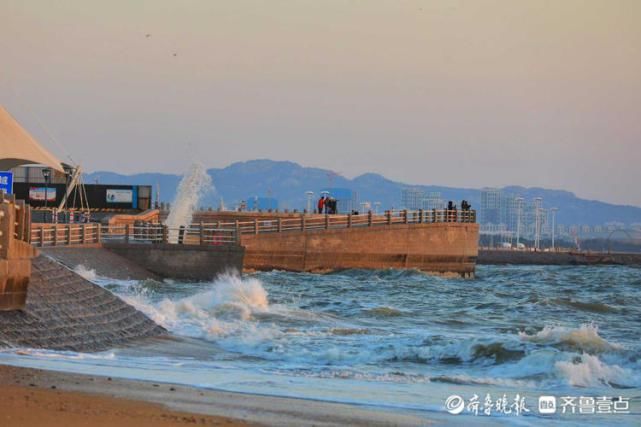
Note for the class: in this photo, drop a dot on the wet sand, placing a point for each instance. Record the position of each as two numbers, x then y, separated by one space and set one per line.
32 397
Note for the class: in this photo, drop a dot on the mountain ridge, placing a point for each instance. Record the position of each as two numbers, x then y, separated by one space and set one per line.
288 181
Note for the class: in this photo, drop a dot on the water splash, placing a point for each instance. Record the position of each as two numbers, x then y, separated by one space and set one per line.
86 273
193 186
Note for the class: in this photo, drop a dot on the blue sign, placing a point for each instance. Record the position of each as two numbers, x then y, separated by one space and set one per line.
6 182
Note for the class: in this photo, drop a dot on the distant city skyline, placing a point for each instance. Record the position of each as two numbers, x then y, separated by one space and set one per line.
465 94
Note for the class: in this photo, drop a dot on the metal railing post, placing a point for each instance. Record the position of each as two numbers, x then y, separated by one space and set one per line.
369 218
202 234
126 233
42 236
389 217
303 223
280 225
349 220
326 221
255 225
55 235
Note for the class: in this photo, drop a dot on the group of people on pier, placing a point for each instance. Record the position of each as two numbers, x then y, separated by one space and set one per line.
327 205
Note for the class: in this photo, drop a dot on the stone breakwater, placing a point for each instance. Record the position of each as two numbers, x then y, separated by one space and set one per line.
66 312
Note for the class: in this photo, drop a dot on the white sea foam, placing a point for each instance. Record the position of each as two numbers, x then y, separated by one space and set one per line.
225 308
585 338
85 273
194 184
591 371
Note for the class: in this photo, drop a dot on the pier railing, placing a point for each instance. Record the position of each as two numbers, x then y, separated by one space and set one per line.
43 235
229 232
326 222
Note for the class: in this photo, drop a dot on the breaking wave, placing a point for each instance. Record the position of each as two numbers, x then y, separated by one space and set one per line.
585 338
223 309
587 370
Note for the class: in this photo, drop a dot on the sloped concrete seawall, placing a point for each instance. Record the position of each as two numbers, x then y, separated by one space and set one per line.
66 312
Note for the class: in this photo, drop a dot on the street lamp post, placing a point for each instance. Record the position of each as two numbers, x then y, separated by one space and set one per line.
519 209
376 206
310 195
553 227
537 212
46 173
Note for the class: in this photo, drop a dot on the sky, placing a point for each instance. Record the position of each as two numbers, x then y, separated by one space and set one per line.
458 93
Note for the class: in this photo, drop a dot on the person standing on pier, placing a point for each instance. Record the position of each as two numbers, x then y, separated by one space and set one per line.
321 204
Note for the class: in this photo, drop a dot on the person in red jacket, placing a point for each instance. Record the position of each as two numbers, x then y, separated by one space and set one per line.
321 204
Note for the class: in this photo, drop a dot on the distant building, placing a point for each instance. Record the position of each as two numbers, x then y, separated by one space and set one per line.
261 203
434 200
490 209
412 198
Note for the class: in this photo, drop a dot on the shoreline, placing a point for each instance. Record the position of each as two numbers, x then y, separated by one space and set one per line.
29 395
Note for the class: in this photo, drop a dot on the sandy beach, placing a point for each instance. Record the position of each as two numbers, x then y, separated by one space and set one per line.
29 396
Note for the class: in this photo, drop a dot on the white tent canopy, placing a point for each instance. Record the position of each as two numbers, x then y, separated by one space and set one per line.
17 147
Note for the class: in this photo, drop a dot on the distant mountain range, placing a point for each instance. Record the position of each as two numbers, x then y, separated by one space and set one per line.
288 182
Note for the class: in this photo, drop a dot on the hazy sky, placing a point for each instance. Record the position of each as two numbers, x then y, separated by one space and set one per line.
461 93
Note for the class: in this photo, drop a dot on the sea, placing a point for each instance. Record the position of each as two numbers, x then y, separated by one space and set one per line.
517 345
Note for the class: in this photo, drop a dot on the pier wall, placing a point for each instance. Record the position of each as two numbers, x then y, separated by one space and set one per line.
443 248
190 262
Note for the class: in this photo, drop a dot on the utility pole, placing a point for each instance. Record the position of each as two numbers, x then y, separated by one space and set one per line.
553 226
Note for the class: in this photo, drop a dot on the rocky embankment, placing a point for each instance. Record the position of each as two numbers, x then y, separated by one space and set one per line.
66 312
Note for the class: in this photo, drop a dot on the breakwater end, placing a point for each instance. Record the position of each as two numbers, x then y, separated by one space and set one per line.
503 257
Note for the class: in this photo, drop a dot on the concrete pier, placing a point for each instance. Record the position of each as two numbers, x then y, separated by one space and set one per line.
435 241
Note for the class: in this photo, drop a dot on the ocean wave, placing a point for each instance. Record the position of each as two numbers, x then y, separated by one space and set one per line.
460 352
223 309
348 331
587 370
383 312
585 338
592 307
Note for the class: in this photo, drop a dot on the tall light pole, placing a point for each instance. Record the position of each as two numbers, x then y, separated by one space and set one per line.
553 226
537 211
310 195
46 173
519 209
